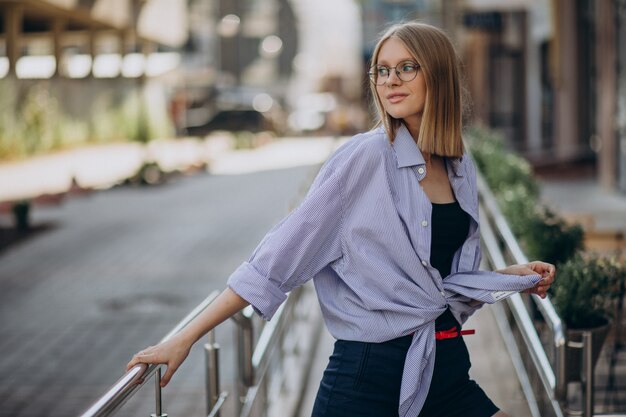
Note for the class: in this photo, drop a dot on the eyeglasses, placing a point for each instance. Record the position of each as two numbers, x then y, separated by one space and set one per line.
406 71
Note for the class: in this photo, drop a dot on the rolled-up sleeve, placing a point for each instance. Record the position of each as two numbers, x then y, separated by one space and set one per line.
296 249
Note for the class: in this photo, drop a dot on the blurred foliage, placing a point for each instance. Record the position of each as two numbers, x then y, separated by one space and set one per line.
588 286
549 238
33 122
10 143
542 233
244 140
586 297
501 168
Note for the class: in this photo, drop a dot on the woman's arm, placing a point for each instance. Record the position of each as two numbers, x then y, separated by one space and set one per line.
174 351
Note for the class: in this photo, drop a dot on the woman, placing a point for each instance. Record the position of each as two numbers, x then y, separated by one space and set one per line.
389 232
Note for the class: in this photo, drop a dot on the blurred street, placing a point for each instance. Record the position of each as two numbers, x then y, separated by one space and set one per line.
116 270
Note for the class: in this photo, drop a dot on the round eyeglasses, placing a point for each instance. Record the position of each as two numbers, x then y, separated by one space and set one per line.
406 71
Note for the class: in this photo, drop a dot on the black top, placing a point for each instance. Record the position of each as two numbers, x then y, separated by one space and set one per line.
450 226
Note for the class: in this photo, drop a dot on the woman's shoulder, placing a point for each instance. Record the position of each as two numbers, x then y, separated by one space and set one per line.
371 146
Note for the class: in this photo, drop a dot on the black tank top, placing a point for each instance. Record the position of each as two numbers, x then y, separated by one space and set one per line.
450 226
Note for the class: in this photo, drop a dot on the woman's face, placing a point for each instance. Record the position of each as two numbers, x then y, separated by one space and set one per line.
401 99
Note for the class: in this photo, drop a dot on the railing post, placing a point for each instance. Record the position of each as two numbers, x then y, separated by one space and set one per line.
211 350
560 373
587 375
245 349
157 394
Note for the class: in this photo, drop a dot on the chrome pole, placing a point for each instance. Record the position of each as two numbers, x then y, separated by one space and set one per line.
211 350
157 394
587 376
245 350
560 372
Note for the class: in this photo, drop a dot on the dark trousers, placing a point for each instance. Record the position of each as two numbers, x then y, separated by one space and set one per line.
363 380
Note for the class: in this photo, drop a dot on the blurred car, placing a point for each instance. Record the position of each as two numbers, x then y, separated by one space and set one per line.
234 120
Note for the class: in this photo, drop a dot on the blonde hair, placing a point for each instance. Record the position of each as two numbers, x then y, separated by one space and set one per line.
440 130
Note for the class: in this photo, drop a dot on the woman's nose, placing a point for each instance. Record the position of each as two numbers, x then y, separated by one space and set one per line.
393 78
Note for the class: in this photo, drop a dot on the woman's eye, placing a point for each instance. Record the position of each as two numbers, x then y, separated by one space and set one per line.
383 71
408 67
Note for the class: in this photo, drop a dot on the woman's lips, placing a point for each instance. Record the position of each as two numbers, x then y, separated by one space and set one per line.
395 98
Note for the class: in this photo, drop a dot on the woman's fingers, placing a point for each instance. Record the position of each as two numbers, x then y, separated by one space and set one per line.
165 379
546 270
143 356
171 353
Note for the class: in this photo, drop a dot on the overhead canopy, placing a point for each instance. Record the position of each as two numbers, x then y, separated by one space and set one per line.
160 21
499 5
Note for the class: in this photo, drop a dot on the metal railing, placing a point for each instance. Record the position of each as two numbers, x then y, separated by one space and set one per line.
290 337
501 249
136 377
279 340
523 320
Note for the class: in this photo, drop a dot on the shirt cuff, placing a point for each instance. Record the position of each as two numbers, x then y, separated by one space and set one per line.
262 294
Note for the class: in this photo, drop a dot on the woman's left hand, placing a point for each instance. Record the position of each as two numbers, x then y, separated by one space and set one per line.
546 270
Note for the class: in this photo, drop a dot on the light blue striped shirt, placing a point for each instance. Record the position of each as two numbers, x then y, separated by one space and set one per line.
363 234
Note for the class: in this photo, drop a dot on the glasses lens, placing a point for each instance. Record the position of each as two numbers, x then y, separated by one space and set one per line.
407 71
379 74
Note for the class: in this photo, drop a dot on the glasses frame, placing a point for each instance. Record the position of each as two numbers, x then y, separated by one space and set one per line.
371 73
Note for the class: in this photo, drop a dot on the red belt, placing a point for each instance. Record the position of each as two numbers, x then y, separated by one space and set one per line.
452 333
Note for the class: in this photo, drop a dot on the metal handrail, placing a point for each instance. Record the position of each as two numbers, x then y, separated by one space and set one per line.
252 364
521 315
137 376
553 380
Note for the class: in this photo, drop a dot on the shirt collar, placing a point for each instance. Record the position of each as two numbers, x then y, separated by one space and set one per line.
408 154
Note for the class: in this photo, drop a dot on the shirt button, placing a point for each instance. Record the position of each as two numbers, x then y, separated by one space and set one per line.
424 223
420 170
424 263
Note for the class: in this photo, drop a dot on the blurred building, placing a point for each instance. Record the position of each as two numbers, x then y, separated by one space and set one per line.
237 61
550 75
73 34
93 56
207 55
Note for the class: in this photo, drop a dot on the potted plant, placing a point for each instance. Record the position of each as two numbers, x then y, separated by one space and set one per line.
585 296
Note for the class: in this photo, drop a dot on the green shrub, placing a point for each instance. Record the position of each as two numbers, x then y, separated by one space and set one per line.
500 168
37 124
549 238
586 293
542 233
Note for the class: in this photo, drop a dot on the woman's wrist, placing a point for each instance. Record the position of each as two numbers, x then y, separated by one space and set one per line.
189 336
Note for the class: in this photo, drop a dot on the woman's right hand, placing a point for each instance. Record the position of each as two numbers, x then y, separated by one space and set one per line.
171 353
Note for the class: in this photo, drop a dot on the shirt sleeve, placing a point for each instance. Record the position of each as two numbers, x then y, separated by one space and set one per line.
296 249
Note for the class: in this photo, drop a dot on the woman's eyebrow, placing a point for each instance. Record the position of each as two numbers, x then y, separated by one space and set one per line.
384 61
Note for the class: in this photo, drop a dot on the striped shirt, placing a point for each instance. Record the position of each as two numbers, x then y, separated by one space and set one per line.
363 235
